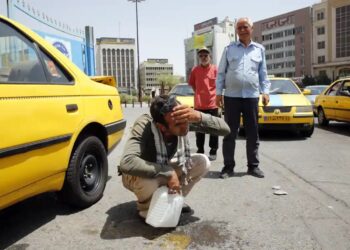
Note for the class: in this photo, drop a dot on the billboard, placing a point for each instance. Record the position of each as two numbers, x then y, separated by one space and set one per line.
71 41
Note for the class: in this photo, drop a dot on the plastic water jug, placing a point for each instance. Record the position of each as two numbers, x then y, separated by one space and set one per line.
165 208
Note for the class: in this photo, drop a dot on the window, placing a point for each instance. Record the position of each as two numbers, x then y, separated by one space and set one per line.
342 31
321 45
333 90
56 74
320 16
321 59
321 31
19 61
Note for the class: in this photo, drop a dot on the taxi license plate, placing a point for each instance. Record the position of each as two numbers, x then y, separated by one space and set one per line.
277 118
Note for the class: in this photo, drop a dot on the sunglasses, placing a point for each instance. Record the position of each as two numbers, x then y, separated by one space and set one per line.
169 105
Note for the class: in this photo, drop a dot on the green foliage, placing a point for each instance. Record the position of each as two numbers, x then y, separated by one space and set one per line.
167 81
127 98
308 80
323 79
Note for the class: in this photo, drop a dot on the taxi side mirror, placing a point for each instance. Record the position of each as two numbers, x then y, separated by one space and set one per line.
306 91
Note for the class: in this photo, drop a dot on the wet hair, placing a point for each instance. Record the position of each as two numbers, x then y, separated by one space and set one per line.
162 105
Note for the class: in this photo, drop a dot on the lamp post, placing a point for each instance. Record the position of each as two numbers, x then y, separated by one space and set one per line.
138 53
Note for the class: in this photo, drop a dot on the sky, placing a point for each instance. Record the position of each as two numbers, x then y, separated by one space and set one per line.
163 24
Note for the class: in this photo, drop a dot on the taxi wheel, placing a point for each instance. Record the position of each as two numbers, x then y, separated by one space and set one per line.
86 175
322 120
307 133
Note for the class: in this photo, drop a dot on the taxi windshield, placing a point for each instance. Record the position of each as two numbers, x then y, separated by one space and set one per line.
283 86
182 90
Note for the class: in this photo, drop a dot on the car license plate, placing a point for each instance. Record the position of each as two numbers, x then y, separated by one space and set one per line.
277 118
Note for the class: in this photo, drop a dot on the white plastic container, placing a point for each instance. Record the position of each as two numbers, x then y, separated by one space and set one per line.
165 208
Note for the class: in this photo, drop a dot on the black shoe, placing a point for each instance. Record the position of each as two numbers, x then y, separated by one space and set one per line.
226 172
200 151
256 172
212 155
186 209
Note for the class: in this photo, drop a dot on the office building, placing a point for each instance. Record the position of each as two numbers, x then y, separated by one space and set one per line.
212 34
287 39
116 57
331 43
151 70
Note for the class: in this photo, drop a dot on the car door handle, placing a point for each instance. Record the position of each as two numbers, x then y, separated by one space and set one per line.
71 108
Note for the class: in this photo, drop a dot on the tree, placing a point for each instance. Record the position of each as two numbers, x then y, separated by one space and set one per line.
167 81
308 80
323 79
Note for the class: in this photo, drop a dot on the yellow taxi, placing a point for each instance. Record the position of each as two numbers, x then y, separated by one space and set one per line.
57 125
334 102
184 94
288 108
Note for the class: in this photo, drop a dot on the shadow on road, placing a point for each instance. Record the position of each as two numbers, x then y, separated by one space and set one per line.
25 217
216 174
123 221
337 127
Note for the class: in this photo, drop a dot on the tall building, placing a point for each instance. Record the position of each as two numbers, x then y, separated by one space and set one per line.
287 39
116 57
212 34
151 70
331 43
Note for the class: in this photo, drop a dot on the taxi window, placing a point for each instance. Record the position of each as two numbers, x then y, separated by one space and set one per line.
55 73
182 90
283 86
345 89
19 61
334 89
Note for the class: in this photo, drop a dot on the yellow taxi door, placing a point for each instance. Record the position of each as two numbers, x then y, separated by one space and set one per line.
39 112
343 102
328 101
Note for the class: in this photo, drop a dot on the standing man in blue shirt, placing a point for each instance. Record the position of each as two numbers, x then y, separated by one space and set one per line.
242 75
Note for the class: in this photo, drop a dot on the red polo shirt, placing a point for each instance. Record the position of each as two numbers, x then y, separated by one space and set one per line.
202 80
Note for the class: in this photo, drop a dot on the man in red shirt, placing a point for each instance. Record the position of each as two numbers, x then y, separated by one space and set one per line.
202 80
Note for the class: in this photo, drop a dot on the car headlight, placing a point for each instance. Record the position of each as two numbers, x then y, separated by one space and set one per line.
302 109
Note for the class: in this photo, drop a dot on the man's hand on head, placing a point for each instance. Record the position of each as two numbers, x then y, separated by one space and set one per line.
183 113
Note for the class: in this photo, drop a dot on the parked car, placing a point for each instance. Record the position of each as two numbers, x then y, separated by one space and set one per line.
315 91
334 103
184 94
288 108
57 125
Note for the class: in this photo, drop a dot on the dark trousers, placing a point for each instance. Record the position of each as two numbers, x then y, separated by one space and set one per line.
213 139
248 107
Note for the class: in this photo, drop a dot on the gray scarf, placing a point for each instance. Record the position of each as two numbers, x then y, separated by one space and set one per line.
183 153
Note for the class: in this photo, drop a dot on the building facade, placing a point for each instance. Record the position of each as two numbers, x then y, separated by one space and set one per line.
151 71
116 57
287 39
212 34
331 43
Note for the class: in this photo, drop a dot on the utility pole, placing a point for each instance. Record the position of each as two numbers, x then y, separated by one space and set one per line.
138 50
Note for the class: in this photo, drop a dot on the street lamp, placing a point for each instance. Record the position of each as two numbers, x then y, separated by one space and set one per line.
138 55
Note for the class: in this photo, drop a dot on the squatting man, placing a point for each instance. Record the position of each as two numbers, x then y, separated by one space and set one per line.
158 152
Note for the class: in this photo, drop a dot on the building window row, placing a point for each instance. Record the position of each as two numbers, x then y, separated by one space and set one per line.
281 65
276 35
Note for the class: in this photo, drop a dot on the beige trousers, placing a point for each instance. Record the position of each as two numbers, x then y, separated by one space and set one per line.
143 188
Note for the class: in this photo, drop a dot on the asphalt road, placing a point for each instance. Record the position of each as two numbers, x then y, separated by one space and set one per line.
236 213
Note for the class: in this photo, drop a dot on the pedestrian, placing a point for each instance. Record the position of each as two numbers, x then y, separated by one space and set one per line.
149 159
242 73
153 92
202 80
